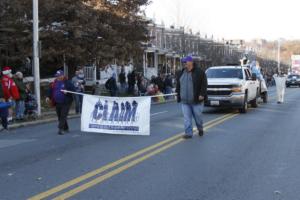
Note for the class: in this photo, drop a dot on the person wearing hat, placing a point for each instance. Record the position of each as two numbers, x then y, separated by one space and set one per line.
191 91
10 89
61 100
20 103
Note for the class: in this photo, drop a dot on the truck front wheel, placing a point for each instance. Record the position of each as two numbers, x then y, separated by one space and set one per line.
265 97
244 109
254 102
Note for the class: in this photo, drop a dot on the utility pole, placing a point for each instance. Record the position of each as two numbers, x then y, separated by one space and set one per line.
66 69
36 61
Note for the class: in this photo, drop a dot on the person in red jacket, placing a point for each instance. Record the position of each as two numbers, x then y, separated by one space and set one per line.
9 87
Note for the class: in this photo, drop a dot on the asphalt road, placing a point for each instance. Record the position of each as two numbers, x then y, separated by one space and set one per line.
253 156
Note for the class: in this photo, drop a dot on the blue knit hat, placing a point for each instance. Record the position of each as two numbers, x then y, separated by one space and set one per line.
187 59
59 73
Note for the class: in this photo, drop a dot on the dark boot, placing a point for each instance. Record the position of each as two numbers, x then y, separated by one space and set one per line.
201 133
187 136
61 132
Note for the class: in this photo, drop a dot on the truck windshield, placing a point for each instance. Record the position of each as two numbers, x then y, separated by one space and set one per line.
224 73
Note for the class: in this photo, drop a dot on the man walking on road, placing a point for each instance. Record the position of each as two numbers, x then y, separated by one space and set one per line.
191 92
61 100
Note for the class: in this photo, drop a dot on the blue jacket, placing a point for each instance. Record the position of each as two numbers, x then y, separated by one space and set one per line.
4 108
67 98
5 105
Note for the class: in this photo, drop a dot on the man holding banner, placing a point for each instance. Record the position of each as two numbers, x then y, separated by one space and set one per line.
61 100
191 92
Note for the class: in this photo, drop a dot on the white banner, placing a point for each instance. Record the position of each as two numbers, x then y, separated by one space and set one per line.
116 115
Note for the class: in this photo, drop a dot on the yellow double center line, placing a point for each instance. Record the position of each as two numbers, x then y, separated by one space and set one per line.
135 158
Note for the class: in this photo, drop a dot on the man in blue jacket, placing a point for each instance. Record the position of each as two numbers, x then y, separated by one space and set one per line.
61 100
191 92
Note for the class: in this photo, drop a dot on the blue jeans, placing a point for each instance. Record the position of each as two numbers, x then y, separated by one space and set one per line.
78 103
123 87
20 109
169 90
191 111
3 116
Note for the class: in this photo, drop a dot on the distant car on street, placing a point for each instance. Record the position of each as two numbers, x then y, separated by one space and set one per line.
293 80
233 87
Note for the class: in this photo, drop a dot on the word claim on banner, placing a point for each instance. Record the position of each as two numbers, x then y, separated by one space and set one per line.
116 115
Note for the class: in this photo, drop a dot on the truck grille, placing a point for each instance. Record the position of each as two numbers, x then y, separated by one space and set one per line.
219 93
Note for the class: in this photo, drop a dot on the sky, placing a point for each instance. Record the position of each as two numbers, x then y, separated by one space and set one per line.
231 19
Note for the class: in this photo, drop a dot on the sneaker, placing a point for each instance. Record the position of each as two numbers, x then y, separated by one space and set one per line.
61 132
201 133
187 137
4 130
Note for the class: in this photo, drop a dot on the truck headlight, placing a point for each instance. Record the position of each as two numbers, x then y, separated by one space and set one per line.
236 89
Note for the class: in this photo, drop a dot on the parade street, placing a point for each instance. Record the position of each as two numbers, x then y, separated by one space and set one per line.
253 156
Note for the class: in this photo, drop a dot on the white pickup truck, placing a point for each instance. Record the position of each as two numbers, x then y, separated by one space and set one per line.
233 87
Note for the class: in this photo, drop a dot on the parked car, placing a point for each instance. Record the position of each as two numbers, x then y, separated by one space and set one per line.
293 80
233 87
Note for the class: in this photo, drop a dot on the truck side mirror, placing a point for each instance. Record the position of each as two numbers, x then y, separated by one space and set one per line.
254 77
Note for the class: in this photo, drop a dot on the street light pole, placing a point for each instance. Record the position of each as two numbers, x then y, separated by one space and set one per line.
278 56
36 61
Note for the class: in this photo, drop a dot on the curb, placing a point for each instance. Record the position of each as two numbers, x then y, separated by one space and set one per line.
159 103
38 122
